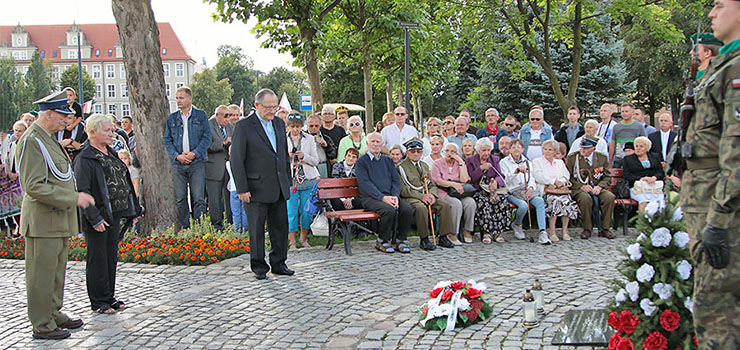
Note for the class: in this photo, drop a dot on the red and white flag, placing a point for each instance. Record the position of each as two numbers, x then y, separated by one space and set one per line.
87 107
241 105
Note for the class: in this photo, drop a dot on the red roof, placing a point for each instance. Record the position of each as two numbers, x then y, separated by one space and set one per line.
101 36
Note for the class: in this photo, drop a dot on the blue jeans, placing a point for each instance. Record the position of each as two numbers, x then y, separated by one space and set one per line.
295 205
238 213
522 207
193 174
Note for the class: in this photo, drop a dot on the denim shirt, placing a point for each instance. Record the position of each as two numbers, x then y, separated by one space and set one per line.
526 134
199 135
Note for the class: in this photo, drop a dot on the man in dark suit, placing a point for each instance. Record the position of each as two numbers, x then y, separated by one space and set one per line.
664 137
261 168
216 176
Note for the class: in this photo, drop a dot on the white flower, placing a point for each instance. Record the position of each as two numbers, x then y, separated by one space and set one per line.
442 284
481 286
677 214
442 310
621 296
653 208
684 269
648 307
661 237
634 251
664 290
641 237
681 239
463 304
633 288
645 273
689 304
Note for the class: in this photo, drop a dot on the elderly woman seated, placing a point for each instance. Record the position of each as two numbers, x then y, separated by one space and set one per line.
343 169
644 173
492 215
590 128
396 153
551 173
451 173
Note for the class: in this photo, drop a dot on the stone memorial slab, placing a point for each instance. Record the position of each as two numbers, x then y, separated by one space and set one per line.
584 327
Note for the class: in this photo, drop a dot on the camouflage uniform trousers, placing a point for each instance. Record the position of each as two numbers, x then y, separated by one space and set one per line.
716 292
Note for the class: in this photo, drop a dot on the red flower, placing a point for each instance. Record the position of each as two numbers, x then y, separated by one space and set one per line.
433 294
655 341
614 340
425 310
447 295
625 344
694 340
457 285
475 307
628 322
614 321
473 293
670 320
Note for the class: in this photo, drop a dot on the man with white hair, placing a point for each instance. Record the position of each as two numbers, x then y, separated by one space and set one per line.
663 138
398 133
461 132
329 127
216 176
535 133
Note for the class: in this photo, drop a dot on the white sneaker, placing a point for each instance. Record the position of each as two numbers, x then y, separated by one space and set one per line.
543 238
518 232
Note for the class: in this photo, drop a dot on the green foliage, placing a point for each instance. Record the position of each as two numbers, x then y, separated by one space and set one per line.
38 79
237 67
209 93
70 79
291 82
343 83
14 97
467 77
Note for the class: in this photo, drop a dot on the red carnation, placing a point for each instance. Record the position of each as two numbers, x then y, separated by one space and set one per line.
447 295
628 322
670 320
655 341
473 293
614 320
475 307
457 285
625 344
614 340
433 294
425 310
694 340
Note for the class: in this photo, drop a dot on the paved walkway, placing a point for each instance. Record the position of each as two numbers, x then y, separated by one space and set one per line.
366 301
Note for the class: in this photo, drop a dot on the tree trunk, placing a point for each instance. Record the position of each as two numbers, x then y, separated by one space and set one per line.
139 36
367 82
389 95
575 73
314 81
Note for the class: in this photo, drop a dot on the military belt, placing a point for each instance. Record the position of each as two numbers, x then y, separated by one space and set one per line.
702 163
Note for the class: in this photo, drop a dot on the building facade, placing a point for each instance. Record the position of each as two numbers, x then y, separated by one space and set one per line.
102 58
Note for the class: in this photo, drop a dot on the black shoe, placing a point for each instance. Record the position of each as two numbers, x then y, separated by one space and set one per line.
260 276
53 335
426 244
283 271
71 324
444 242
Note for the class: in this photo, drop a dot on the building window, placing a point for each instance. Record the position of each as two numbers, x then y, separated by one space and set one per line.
179 85
98 91
72 54
112 109
167 89
97 52
164 51
124 90
19 41
55 72
110 71
74 39
98 108
166 69
43 53
111 91
123 71
179 69
20 55
24 70
96 71
84 67
125 111
110 52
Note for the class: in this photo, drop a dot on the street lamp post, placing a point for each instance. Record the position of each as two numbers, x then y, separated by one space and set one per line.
80 92
407 26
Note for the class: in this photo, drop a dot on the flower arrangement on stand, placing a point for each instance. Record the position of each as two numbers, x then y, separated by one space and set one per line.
455 304
652 309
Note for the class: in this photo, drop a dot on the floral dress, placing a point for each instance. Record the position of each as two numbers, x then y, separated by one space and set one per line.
492 217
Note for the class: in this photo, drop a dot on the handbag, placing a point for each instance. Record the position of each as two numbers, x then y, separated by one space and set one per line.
312 203
556 191
468 190
320 226
621 190
642 187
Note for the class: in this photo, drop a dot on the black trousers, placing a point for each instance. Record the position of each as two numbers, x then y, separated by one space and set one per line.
276 216
100 267
218 200
388 215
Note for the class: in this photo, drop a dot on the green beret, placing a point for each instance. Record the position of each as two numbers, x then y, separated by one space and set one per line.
706 38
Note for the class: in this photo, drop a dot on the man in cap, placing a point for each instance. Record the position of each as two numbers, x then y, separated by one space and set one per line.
413 173
710 193
707 47
590 175
48 217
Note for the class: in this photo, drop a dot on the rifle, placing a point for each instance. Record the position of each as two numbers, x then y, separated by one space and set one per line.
681 150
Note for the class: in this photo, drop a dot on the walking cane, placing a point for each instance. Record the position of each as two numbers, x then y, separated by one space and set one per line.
429 208
529 211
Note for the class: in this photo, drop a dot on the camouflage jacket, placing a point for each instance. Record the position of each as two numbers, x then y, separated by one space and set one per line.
712 183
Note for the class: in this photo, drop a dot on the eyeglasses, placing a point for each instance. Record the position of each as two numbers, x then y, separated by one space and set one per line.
428 125
294 116
535 119
314 125
355 124
327 113
400 113
269 108
509 125
416 150
446 122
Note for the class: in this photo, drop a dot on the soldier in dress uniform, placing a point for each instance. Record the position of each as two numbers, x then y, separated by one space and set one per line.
48 217
710 196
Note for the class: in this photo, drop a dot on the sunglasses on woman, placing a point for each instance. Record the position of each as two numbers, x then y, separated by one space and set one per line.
354 124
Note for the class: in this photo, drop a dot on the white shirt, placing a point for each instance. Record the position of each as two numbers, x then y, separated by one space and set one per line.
605 130
185 135
392 135
664 136
534 152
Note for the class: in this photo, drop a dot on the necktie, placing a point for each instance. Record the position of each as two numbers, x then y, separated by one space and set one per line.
223 132
418 167
588 160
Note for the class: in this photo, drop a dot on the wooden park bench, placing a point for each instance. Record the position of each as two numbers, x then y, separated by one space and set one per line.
625 203
342 222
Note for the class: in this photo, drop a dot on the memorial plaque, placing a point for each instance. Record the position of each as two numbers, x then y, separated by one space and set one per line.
584 327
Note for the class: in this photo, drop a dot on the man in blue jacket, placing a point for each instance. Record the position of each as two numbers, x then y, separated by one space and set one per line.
187 136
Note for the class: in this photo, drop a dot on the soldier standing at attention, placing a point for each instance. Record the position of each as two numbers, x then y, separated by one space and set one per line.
48 218
710 197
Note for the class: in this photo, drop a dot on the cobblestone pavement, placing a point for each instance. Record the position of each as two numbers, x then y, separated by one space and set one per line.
365 301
